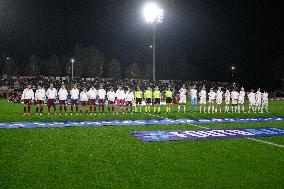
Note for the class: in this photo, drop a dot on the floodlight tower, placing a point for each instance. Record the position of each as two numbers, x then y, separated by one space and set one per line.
153 14
72 66
233 68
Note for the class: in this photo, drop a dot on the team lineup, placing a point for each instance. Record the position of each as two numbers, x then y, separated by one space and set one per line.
94 101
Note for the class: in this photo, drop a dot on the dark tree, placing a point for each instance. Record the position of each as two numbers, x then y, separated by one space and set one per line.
113 69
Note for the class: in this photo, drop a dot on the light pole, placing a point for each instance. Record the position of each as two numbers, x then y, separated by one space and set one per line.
72 67
232 70
153 14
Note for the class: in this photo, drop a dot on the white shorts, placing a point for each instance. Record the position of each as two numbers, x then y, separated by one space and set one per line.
258 102
251 103
211 100
234 101
241 101
265 103
202 101
218 101
227 102
182 99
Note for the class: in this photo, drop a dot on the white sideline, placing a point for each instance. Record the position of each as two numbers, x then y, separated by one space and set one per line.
249 138
266 142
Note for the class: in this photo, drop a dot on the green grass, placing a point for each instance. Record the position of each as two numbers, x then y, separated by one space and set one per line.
109 157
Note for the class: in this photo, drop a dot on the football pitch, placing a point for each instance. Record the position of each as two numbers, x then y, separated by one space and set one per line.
110 157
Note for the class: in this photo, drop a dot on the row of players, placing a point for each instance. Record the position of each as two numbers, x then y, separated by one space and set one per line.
257 101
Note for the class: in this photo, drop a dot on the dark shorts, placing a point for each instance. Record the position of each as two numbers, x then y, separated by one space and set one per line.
102 101
111 102
157 101
62 102
50 102
92 102
169 100
74 102
39 102
128 103
84 103
148 100
28 101
138 100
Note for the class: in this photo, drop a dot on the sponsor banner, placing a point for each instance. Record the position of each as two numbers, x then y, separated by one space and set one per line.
135 122
173 135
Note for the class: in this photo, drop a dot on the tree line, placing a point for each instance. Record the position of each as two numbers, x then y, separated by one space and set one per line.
91 62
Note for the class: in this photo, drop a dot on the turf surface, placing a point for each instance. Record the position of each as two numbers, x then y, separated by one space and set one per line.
109 157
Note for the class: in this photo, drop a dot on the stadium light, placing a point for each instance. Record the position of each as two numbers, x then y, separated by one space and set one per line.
72 63
153 14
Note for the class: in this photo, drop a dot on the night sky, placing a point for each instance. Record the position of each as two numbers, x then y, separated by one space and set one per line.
211 34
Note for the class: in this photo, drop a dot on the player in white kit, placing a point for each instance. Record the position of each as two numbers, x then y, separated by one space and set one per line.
74 93
202 99
211 100
182 100
258 97
92 99
101 97
234 97
193 96
111 99
219 99
84 98
241 100
39 98
27 97
264 101
51 94
251 97
227 100
129 98
62 95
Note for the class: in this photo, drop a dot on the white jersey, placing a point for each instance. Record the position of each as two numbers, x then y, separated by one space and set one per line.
101 94
242 95
62 94
251 97
193 93
265 96
84 96
227 97
28 94
182 92
219 95
92 93
258 96
129 96
51 93
40 94
74 94
202 96
120 94
111 95
211 96
234 95
182 95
